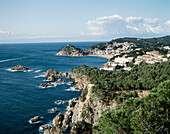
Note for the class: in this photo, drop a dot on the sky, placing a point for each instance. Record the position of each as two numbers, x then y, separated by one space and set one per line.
82 20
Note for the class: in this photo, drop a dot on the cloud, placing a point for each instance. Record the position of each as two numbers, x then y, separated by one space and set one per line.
116 26
6 32
10 36
38 36
4 35
167 22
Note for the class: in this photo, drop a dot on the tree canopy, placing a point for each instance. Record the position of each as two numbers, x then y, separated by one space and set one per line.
141 77
149 115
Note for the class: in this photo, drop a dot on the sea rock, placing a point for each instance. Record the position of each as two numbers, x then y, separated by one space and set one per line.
67 75
51 72
35 119
61 123
44 127
61 102
60 81
45 85
65 102
53 110
51 75
50 78
20 68
57 121
70 82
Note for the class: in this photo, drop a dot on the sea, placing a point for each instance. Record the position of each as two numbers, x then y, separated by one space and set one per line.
21 97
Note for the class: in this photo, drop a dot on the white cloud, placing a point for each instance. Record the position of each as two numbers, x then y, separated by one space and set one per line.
8 35
167 22
6 32
116 25
38 36
134 28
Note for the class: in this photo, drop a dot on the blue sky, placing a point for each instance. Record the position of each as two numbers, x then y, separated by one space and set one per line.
82 20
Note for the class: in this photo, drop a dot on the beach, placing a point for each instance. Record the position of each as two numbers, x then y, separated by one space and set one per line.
105 56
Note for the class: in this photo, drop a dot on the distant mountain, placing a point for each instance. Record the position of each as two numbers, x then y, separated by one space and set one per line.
139 42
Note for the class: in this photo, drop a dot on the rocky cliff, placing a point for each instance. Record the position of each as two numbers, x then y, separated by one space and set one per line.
81 81
71 50
81 114
88 110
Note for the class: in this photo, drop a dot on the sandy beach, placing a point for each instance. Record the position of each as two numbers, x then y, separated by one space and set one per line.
105 56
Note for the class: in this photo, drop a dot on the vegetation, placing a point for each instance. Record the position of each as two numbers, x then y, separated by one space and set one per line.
149 115
100 46
139 42
83 95
145 42
71 48
141 77
142 52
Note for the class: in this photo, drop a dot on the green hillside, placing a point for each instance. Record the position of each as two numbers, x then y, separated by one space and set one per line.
139 42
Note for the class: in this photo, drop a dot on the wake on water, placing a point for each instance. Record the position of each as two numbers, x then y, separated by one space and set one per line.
71 89
12 59
37 71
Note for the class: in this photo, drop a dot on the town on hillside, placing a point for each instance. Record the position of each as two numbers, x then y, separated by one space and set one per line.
125 58
124 53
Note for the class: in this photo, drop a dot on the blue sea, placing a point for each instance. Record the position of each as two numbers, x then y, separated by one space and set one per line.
21 98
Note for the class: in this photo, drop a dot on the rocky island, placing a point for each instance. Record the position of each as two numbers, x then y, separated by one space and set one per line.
19 68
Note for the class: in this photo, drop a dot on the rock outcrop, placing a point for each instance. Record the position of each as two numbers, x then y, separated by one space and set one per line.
35 119
51 75
44 127
88 111
60 81
19 68
81 80
81 113
70 83
45 85
53 110
61 102
61 123
71 50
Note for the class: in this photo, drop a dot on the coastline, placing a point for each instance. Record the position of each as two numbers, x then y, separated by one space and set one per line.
98 55
104 56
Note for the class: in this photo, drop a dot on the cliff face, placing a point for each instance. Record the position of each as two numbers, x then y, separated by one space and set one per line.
91 108
81 80
71 50
61 122
83 113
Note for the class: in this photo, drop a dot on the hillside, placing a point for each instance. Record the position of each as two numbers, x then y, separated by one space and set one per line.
139 42
116 96
71 50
